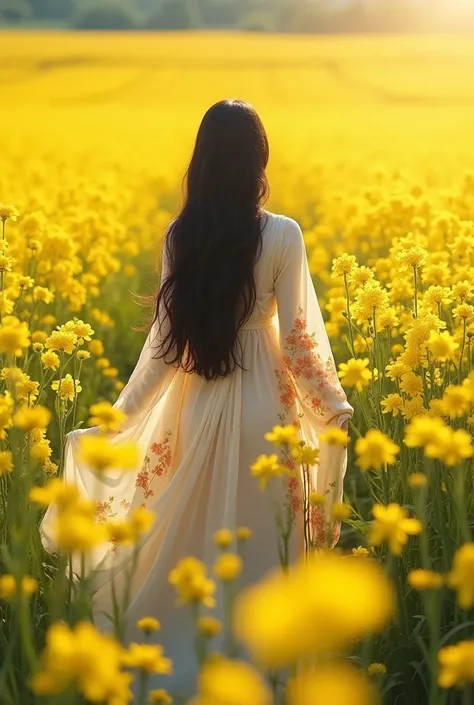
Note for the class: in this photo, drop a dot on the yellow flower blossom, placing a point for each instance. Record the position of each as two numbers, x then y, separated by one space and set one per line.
9 587
67 388
191 582
375 450
228 567
337 683
283 435
393 525
355 373
456 665
106 416
266 467
461 577
341 598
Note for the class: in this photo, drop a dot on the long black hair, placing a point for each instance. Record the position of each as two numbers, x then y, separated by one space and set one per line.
213 244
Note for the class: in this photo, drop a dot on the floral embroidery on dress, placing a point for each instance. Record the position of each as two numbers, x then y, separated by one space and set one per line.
303 362
155 466
104 510
320 529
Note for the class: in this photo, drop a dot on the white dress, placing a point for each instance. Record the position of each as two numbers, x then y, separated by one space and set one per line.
198 439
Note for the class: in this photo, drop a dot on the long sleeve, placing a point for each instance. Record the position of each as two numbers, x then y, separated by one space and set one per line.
308 357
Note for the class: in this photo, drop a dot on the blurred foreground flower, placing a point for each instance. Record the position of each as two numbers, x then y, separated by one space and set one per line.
83 657
320 606
223 682
331 684
456 665
461 577
100 454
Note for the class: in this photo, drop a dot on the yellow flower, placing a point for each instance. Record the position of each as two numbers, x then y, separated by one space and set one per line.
335 683
148 658
345 264
141 520
463 311
266 467
392 404
6 462
243 533
100 454
62 340
159 697
396 370
442 346
83 656
377 669
80 329
50 468
412 408
411 384
55 491
283 435
425 579
341 512
355 373
96 347
456 665
305 454
393 525
50 360
209 626
148 624
38 347
452 447
375 450
83 355
335 437
106 416
67 387
316 499
456 401
223 682
461 577
361 552
77 530
412 257
421 431
7 211
41 293
14 336
28 418
343 599
191 583
6 408
9 587
228 567
223 538
416 480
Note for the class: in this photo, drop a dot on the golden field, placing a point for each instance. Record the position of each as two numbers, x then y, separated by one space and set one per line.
371 153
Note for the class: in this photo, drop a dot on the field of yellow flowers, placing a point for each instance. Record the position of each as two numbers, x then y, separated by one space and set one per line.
372 154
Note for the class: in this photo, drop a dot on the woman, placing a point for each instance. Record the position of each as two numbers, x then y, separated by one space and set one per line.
237 346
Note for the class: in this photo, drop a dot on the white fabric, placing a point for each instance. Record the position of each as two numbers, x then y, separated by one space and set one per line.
201 437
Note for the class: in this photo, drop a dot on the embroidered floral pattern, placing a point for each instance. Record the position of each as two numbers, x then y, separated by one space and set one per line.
320 529
155 465
303 362
104 510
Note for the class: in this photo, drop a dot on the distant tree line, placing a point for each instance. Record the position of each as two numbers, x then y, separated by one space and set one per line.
300 16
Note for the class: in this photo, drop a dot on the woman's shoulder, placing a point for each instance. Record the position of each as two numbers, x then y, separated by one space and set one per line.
289 228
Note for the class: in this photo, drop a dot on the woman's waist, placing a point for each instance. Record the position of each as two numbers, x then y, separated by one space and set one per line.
260 323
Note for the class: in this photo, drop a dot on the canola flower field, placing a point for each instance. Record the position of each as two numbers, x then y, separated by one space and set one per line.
371 153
